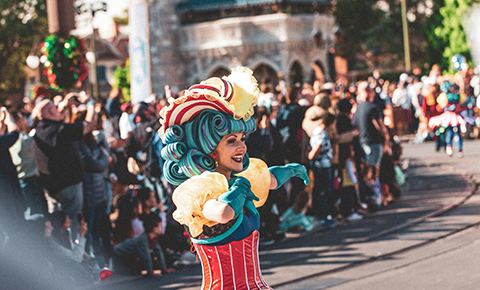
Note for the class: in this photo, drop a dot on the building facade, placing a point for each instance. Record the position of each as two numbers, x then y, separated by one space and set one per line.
192 40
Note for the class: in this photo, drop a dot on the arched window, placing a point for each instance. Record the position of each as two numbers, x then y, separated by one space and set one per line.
266 76
296 73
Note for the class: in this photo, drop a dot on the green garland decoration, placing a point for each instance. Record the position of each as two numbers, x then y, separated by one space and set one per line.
65 63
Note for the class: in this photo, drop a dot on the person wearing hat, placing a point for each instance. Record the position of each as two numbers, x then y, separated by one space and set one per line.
219 186
316 125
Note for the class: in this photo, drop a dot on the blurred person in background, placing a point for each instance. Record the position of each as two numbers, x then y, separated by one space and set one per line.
316 123
56 151
266 97
450 121
113 108
70 261
289 125
401 98
126 219
373 133
27 169
295 219
260 142
12 203
94 163
126 122
133 255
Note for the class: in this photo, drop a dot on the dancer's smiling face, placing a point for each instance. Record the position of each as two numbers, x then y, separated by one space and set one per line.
230 153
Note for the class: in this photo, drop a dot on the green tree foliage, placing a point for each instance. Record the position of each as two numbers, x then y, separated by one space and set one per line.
355 18
22 23
373 25
451 30
435 44
121 77
122 19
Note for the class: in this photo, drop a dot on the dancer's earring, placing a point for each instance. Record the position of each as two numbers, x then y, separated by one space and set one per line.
215 156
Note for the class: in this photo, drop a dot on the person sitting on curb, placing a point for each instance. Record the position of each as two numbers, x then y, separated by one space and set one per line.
71 262
133 255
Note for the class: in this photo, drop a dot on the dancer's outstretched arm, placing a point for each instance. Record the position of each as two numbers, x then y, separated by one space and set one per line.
280 174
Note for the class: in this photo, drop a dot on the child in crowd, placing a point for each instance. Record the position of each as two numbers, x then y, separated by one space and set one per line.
294 219
388 173
151 204
373 195
316 124
127 223
350 194
133 255
61 241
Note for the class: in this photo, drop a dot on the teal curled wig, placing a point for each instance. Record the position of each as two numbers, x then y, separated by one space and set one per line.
187 146
452 98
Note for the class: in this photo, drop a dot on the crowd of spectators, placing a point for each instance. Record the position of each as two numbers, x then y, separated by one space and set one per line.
87 175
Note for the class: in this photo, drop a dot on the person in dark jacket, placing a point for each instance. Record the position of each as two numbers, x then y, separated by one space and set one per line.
289 125
133 255
11 202
95 162
56 152
113 108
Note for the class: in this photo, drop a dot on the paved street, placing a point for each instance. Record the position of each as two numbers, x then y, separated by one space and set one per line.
409 245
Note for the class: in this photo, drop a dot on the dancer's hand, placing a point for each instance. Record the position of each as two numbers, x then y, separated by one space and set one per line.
239 195
284 173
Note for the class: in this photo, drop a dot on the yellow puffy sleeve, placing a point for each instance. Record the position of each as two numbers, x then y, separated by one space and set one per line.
192 194
259 176
442 100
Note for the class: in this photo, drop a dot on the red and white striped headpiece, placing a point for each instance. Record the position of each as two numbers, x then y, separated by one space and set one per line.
235 95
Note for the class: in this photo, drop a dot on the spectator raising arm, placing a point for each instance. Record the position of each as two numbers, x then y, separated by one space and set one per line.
7 123
91 117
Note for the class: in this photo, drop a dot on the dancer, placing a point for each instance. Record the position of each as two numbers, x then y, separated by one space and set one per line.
219 185
450 121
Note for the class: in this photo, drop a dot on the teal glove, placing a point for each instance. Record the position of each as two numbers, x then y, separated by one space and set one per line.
239 195
284 173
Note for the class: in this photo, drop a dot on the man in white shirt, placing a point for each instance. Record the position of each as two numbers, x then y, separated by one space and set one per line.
126 123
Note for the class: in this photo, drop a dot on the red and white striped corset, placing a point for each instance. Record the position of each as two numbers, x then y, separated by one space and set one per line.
232 266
